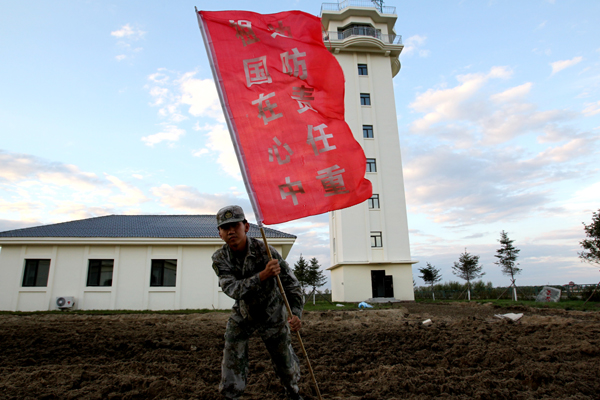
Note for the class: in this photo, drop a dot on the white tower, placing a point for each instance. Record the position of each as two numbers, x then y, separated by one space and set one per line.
370 252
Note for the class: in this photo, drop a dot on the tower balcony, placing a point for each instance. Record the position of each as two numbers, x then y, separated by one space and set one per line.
361 31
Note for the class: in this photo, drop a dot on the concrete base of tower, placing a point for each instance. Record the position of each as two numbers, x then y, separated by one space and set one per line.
355 282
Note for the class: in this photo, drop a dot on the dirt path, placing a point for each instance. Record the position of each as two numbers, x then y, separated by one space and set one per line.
466 353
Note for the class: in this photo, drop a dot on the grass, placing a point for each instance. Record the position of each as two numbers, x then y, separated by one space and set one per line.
326 306
112 312
561 305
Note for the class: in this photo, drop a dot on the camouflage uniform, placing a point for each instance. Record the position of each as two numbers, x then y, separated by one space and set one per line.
258 307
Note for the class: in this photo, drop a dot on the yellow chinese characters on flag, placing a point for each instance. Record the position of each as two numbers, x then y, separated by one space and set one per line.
283 96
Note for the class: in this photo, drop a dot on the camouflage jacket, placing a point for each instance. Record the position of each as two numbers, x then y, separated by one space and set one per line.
255 300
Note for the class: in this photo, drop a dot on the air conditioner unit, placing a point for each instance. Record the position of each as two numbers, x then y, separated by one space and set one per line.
65 302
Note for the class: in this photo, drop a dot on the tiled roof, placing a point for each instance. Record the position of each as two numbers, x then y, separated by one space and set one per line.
137 226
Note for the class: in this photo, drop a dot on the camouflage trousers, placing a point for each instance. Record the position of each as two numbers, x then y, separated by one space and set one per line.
234 369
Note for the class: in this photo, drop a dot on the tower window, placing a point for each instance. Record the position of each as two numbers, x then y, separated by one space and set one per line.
368 131
362 69
365 99
376 239
373 202
371 165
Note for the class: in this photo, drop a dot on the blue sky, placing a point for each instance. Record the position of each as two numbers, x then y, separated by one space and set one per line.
109 108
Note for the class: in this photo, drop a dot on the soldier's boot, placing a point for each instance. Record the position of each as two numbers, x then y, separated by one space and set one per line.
294 396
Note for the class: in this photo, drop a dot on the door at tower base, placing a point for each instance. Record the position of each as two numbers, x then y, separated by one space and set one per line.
382 284
358 282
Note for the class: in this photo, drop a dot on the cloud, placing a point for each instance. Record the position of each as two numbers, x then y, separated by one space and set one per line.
191 200
461 188
33 189
448 104
312 240
466 116
202 97
512 94
171 93
170 133
26 210
412 45
72 210
200 152
9 225
584 199
576 148
128 32
476 235
560 65
572 234
129 196
17 167
127 35
219 144
592 109
159 77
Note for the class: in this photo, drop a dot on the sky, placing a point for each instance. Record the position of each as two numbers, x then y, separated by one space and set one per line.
109 107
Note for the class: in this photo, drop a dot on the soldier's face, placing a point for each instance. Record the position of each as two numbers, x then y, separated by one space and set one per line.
234 234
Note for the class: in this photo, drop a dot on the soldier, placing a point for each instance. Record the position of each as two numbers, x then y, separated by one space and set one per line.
247 276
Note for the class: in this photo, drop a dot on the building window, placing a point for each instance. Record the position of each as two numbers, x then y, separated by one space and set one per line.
163 273
368 131
371 165
376 239
36 273
100 272
362 69
373 201
365 99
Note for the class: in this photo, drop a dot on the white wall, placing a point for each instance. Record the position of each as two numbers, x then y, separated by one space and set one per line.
196 283
352 283
354 224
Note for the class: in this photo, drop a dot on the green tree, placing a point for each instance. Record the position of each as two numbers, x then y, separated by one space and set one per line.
591 246
507 260
301 270
431 275
468 268
316 277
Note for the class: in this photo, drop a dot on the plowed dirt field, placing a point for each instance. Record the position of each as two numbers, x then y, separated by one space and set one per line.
466 353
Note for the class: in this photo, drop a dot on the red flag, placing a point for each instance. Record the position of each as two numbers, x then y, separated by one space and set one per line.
283 96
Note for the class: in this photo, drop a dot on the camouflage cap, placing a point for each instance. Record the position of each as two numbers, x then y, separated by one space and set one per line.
230 214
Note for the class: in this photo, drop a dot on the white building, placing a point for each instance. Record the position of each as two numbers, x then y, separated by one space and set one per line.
125 262
370 253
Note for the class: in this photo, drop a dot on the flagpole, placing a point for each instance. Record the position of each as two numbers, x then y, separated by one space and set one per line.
208 44
289 310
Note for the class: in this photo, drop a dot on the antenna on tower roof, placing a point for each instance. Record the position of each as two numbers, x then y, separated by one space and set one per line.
379 4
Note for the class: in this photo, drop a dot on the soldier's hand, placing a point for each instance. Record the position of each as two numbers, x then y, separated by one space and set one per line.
272 269
295 323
